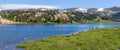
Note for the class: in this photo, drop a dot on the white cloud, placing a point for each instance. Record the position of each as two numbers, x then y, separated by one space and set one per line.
22 6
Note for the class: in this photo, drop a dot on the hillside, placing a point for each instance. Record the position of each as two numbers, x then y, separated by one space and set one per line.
6 21
70 15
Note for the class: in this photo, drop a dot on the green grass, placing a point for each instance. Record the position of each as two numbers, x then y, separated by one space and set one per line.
94 39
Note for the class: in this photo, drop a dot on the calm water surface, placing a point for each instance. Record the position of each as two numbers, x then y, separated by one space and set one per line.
10 35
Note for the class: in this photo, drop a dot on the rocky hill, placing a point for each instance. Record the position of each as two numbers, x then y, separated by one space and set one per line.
70 15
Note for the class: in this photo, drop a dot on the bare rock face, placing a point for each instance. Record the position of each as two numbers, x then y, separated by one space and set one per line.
5 21
116 9
61 15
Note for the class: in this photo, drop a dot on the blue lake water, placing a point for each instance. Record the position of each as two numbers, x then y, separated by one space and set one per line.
10 35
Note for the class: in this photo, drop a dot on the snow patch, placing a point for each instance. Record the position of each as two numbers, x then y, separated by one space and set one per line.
100 9
0 9
81 9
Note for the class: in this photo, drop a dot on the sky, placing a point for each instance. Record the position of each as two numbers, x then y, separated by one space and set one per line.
14 4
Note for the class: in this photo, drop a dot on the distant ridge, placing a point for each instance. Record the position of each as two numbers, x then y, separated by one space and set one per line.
69 15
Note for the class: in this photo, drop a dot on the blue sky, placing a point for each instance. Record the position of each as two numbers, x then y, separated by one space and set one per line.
65 3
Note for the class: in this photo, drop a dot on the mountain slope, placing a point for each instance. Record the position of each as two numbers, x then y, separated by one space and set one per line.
70 15
6 21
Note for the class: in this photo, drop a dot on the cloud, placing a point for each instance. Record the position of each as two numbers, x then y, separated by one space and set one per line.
24 6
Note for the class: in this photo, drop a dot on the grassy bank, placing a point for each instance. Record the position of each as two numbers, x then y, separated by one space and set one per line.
94 39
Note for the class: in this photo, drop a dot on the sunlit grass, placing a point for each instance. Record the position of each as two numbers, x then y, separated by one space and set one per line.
94 39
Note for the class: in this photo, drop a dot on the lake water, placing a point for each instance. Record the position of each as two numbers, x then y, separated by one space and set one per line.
10 35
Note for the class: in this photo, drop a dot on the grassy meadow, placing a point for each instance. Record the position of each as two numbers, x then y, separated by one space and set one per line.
93 39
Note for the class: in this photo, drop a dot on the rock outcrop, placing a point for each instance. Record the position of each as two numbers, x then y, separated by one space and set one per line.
5 21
